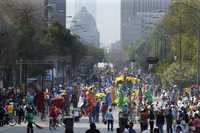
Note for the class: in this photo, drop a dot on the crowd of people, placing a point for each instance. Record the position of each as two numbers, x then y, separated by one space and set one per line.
127 91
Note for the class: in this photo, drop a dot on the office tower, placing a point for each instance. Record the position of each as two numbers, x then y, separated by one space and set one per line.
136 14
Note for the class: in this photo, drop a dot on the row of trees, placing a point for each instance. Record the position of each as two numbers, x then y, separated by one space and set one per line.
25 36
175 43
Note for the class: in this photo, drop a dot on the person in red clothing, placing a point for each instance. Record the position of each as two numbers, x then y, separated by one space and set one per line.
54 112
196 123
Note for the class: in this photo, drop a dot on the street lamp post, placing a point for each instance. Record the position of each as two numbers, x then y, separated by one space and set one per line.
180 40
20 71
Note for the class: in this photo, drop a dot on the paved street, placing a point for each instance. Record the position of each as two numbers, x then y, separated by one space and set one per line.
79 127
129 60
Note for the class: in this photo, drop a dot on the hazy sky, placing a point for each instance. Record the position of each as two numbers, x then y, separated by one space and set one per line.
107 16
108 20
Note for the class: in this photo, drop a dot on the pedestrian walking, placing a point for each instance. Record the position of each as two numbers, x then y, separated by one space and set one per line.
110 120
92 129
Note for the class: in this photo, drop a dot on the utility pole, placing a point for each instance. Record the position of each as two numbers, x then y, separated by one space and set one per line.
198 57
180 39
20 71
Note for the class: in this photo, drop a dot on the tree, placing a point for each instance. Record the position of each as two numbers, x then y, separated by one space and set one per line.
27 37
22 33
181 24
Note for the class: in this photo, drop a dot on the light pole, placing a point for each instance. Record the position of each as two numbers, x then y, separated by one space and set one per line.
180 39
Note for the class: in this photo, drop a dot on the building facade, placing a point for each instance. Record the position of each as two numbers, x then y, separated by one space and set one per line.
56 11
85 27
133 14
74 6
90 5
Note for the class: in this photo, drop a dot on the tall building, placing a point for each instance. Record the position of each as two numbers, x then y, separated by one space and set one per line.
90 5
133 13
85 27
56 11
74 6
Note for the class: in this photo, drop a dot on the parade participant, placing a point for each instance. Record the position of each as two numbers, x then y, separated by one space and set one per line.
131 130
39 103
9 108
2 112
74 100
169 121
104 109
156 130
160 121
144 120
196 123
92 129
96 110
54 112
179 129
110 120
119 130
81 104
20 113
151 119
178 123
29 118
126 129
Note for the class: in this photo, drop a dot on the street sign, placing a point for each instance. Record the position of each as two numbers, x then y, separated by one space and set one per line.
152 60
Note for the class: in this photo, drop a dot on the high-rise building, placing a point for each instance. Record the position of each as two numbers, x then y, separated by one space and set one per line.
85 27
132 16
56 11
90 5
74 6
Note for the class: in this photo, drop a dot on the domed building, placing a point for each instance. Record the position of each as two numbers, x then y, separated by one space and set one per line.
84 25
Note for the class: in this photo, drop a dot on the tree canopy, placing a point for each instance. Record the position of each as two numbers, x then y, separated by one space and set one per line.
26 36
